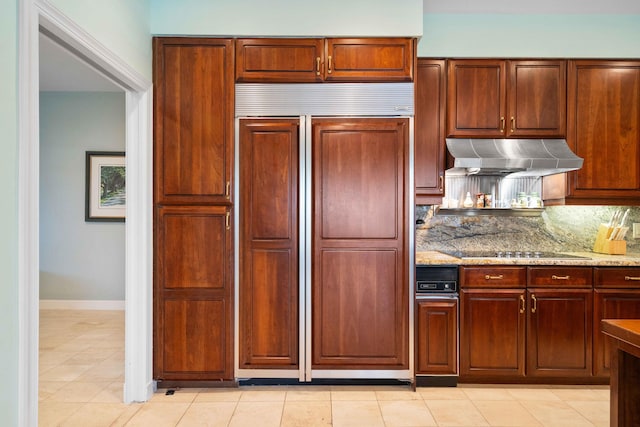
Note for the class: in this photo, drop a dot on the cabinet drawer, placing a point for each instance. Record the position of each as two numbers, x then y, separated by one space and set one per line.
493 277
560 277
615 277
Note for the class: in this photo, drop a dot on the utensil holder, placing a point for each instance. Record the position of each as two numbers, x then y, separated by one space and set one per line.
605 246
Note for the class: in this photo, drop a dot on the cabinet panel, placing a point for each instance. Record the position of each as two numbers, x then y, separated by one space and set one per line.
268 305
279 60
564 277
193 120
193 248
616 277
359 281
493 277
610 304
559 327
437 337
369 59
537 101
604 129
430 92
492 332
476 98
194 339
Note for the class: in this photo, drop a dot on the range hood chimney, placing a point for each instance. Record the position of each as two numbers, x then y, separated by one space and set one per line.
513 157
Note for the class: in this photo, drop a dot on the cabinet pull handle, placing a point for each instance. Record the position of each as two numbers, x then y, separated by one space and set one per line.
631 278
318 66
513 124
441 183
501 124
534 306
554 277
227 220
522 304
227 190
329 68
498 277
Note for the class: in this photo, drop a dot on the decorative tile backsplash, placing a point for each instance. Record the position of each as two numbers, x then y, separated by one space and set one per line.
558 229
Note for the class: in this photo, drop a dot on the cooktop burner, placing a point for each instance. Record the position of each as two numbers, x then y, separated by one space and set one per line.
513 254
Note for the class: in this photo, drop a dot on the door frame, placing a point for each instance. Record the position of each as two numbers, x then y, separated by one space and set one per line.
35 16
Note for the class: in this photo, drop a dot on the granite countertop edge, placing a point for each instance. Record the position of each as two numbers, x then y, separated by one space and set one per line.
592 260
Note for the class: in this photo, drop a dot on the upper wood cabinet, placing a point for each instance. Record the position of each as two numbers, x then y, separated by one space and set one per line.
317 60
495 98
429 142
604 128
193 120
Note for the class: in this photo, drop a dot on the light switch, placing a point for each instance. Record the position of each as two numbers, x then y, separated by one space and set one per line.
636 230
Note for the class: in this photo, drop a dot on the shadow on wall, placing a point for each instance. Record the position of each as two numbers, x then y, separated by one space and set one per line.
559 228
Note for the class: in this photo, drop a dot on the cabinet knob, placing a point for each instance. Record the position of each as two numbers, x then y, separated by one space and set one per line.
490 277
318 66
534 306
329 65
554 277
501 124
631 278
513 124
522 304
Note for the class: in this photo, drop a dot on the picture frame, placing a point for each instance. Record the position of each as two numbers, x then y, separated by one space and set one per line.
105 198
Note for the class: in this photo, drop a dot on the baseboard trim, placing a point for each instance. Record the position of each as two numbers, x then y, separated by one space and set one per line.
67 304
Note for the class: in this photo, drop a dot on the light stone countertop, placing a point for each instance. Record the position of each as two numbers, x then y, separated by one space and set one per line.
594 260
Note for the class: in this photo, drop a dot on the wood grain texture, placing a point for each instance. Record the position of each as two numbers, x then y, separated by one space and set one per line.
429 141
493 277
269 288
437 337
360 288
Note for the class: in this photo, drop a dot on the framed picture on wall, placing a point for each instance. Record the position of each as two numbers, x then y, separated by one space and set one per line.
105 186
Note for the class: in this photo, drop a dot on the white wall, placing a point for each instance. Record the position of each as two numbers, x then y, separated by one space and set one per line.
544 36
287 17
120 25
9 214
78 260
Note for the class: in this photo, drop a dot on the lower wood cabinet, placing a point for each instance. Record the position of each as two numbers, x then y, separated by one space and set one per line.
437 337
510 333
559 332
193 298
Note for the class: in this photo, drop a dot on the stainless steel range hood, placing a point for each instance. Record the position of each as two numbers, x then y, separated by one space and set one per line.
517 157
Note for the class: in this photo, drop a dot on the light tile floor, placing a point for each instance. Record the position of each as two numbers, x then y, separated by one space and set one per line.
81 378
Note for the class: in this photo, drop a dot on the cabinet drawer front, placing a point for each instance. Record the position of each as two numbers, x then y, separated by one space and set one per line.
493 277
565 277
616 277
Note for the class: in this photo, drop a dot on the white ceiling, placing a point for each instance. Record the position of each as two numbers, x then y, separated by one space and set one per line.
62 71
532 6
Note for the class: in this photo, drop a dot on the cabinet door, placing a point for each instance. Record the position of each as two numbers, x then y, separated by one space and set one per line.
537 99
279 60
492 333
370 59
559 325
193 120
610 304
437 337
268 288
429 151
193 298
359 246
476 98
604 129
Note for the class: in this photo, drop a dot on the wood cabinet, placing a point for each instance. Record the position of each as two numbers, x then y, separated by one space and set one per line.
492 321
317 60
360 311
268 293
616 296
193 298
429 141
437 337
495 98
193 244
554 313
193 120
604 129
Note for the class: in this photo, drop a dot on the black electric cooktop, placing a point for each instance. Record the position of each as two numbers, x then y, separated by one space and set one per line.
513 254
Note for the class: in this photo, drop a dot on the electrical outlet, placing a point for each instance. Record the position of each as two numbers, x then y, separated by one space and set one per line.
636 230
